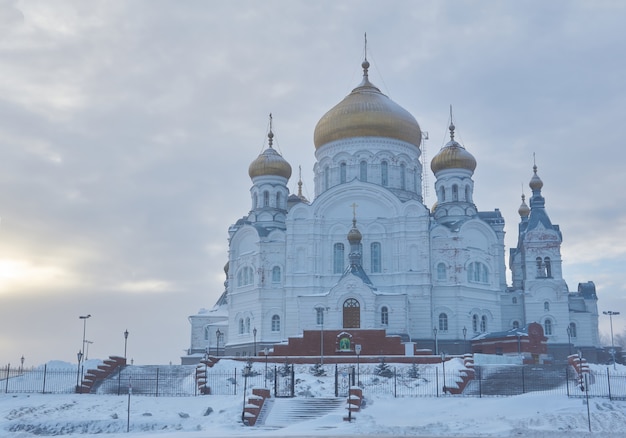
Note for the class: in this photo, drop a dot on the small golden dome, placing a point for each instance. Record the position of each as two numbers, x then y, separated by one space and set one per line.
453 156
366 112
270 162
535 181
523 210
354 235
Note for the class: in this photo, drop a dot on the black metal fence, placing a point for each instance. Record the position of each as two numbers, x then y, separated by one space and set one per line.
329 380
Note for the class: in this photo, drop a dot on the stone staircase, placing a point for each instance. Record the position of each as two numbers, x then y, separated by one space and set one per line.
283 412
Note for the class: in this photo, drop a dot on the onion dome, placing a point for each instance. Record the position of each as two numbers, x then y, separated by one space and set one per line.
366 112
270 162
523 210
354 235
535 182
453 156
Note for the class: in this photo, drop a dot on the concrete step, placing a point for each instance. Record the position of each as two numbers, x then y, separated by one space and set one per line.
284 412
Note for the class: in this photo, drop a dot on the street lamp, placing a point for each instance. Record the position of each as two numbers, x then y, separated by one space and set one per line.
84 318
22 364
357 349
464 339
218 333
125 341
436 344
79 355
254 334
320 320
611 314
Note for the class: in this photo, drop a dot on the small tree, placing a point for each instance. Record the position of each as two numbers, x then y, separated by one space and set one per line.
318 370
383 369
285 370
414 371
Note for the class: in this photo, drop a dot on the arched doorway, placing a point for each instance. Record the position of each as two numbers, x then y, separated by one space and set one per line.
351 313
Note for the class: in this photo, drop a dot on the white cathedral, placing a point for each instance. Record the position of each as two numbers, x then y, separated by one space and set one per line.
366 253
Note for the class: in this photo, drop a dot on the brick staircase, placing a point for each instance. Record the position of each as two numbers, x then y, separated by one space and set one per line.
94 376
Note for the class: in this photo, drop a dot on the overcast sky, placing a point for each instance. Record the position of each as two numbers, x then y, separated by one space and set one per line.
127 129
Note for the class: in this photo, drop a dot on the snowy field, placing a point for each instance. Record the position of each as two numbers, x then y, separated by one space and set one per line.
529 415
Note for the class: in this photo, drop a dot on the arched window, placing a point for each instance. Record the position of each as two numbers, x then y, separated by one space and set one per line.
443 322
441 272
207 333
546 306
442 193
572 329
384 315
351 313
254 200
540 268
248 325
483 324
241 326
514 300
342 173
384 173
515 324
278 200
415 179
338 258
547 327
275 323
467 194
319 315
266 199
276 274
403 176
546 262
375 257
245 276
475 323
455 192
477 272
363 171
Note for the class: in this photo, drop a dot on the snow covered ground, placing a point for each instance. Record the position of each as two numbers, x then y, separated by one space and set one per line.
529 415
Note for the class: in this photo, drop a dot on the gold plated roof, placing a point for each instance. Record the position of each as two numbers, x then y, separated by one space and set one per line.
453 156
366 112
535 181
270 162
524 209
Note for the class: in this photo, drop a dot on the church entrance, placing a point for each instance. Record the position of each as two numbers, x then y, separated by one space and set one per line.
351 313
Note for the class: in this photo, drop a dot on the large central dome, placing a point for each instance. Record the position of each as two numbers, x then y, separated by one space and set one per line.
366 112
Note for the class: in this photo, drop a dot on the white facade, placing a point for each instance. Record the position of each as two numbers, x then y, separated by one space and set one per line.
367 253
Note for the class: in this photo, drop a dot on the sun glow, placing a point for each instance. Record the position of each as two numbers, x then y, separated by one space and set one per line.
21 274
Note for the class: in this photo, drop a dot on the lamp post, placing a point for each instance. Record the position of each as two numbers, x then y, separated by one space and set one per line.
125 341
79 355
22 364
436 343
443 364
84 318
569 339
254 334
218 333
611 314
320 319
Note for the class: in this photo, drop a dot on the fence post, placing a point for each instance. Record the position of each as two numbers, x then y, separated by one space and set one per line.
336 380
45 369
235 381
567 379
608 380
523 381
119 382
275 381
437 380
6 387
480 382
293 380
395 383
157 384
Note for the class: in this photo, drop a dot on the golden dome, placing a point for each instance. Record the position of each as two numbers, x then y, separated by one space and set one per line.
523 210
453 156
270 162
366 112
354 235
